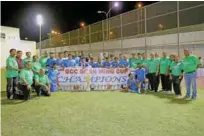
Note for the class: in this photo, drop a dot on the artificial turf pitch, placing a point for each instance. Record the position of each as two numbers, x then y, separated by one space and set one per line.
103 114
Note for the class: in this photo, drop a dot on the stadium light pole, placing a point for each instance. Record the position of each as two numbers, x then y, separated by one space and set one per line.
115 5
40 22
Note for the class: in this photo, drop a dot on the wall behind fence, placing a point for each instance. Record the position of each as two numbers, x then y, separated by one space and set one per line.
141 29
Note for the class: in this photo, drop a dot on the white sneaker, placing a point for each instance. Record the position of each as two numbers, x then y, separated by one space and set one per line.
11 97
169 92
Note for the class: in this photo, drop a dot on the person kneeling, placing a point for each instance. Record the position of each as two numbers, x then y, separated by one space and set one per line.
133 85
42 84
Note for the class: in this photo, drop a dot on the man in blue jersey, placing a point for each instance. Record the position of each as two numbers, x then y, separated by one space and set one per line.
106 63
124 62
93 63
83 63
140 75
53 78
132 84
115 63
51 60
67 63
59 61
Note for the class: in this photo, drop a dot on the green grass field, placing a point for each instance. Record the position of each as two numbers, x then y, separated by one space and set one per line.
103 114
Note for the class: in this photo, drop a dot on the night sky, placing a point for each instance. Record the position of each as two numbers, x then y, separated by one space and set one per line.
60 16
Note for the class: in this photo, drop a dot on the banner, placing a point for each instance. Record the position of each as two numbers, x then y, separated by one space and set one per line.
93 78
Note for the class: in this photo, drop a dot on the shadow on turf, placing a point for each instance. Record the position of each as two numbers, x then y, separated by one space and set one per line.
5 101
171 97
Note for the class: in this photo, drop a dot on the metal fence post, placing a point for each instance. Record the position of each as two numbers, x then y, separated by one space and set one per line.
89 38
121 32
178 25
145 17
102 29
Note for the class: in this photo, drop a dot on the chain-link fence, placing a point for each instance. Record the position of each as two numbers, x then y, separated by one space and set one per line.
116 33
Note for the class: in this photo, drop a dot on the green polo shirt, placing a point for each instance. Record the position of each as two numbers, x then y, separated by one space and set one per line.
153 63
26 60
145 63
27 75
133 62
42 79
176 68
190 63
164 65
11 62
36 66
43 61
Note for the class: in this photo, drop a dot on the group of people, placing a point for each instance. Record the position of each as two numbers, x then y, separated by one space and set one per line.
31 73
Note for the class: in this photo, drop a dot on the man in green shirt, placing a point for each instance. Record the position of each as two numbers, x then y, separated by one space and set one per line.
43 60
157 59
164 72
26 80
36 66
11 74
133 61
28 58
190 65
176 75
139 58
153 72
42 84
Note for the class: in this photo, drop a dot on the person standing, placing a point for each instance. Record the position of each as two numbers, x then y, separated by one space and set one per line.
164 69
19 60
133 61
153 72
36 66
93 63
43 60
172 59
50 61
157 59
28 58
176 75
106 63
115 63
59 61
124 63
68 62
11 74
26 80
190 65
53 78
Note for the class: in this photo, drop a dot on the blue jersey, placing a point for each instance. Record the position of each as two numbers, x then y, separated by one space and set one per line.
50 62
77 61
132 85
140 74
106 64
123 63
84 64
94 65
68 63
52 75
114 64
59 62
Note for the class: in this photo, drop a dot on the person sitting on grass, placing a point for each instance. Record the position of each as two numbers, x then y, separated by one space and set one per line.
26 80
140 75
53 78
42 84
132 84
